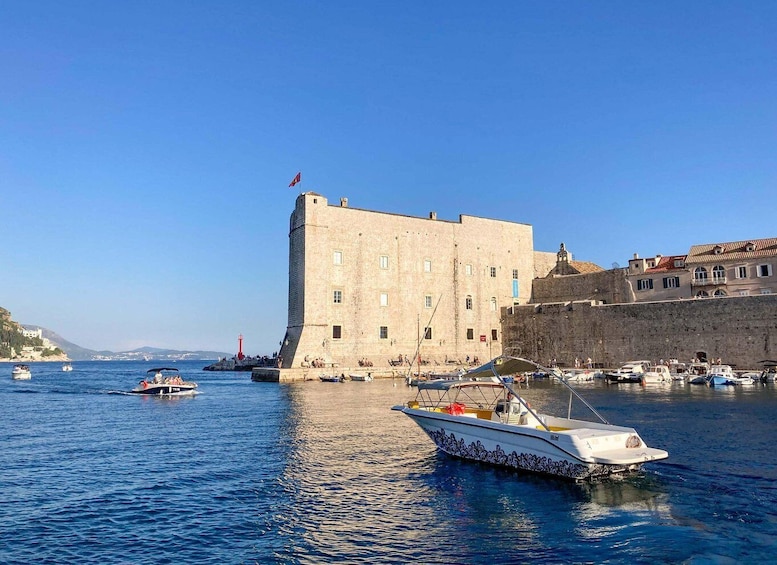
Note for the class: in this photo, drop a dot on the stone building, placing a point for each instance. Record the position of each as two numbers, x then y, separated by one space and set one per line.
645 312
738 268
659 278
366 285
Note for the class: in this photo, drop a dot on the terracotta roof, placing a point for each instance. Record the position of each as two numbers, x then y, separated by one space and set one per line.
732 251
584 267
667 264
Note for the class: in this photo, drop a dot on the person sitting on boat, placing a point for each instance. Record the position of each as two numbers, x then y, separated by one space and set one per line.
158 378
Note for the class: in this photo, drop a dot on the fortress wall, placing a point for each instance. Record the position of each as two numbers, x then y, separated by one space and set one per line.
610 287
742 331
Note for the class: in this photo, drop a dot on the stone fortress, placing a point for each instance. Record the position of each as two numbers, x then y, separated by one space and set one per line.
365 287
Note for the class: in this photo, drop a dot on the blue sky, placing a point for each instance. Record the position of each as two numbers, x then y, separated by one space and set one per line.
146 147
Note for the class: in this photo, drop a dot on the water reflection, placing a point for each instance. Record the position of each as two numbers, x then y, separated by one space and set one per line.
354 468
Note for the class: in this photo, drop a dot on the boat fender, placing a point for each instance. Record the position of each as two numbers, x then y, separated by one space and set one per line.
144 384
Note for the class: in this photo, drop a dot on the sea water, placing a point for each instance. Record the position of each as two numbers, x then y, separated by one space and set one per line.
317 472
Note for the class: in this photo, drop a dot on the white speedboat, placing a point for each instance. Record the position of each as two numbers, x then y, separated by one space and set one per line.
630 372
67 367
657 374
164 381
361 378
21 372
492 422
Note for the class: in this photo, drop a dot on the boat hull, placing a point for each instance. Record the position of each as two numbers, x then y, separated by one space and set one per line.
530 449
166 390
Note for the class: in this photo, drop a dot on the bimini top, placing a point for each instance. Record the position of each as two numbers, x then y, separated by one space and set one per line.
503 366
161 369
444 384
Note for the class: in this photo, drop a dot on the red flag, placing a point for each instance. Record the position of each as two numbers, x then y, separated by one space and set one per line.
297 179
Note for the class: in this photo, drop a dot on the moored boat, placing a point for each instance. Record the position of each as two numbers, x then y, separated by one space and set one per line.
361 378
332 378
67 367
490 420
166 381
21 372
721 375
630 372
657 374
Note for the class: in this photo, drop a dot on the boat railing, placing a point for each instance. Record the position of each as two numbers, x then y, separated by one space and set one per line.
572 394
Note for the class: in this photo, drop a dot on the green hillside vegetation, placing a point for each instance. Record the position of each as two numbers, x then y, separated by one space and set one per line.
13 341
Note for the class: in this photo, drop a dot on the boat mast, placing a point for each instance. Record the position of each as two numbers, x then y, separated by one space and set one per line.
420 338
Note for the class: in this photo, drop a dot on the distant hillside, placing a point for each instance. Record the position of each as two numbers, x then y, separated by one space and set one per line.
78 353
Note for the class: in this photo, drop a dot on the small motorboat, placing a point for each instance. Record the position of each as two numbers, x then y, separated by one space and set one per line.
722 375
361 378
67 367
657 374
332 378
21 372
631 372
164 381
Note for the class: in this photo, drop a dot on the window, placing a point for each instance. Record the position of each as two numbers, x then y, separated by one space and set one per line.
718 274
493 303
493 272
493 335
337 332
338 258
644 284
744 293
515 274
766 291
741 272
427 265
384 332
764 270
384 299
679 263
427 333
338 297
700 274
428 301
384 261
470 334
468 269
671 282
720 292
468 303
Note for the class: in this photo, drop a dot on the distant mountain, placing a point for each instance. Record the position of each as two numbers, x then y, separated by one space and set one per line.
78 353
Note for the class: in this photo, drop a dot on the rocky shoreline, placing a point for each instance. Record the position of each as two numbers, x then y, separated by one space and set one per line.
37 358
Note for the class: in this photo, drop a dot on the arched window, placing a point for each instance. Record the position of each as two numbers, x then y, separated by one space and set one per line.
720 292
700 274
468 302
718 274
702 294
